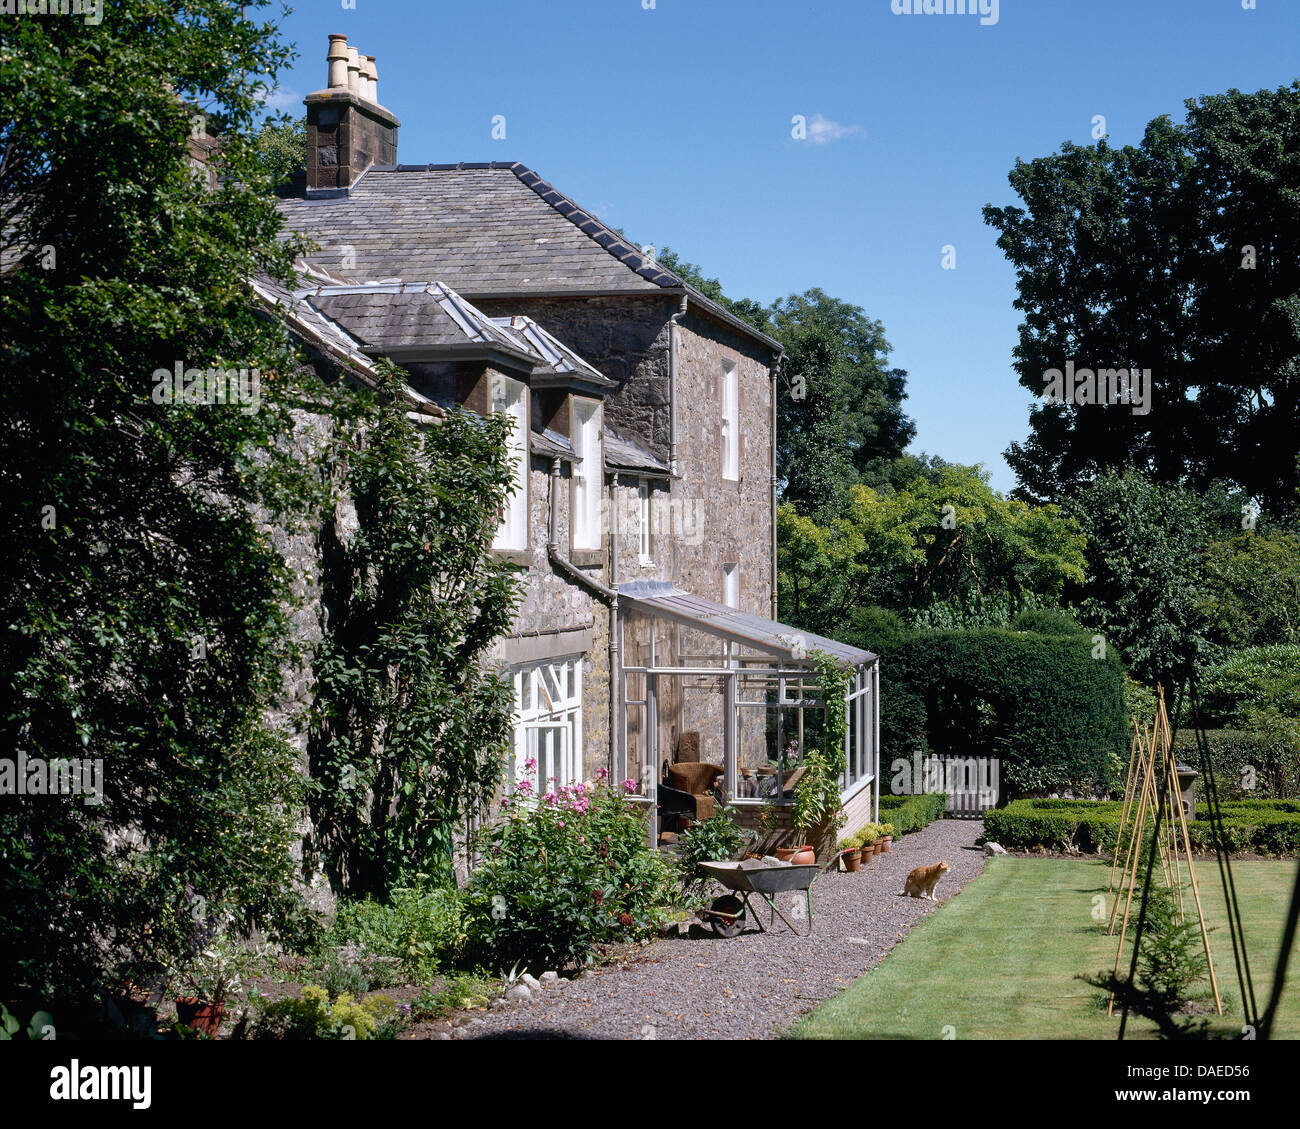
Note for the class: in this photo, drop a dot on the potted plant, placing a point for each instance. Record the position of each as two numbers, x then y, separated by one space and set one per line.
886 836
850 853
816 804
207 982
867 837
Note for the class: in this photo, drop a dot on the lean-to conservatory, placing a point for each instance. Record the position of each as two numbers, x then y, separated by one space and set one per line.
703 684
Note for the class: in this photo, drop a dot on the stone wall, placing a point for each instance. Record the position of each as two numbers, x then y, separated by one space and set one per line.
626 339
734 518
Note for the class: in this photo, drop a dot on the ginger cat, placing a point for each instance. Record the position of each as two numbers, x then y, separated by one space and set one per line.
922 881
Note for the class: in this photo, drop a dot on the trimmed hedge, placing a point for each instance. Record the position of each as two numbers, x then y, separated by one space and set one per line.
1267 827
1049 707
911 813
1258 763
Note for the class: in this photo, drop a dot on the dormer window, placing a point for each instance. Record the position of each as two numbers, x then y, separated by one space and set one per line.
730 421
510 398
588 474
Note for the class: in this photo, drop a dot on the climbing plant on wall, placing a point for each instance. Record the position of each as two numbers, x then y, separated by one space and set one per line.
410 724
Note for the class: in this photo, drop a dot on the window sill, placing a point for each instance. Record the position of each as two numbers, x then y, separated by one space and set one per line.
521 557
587 558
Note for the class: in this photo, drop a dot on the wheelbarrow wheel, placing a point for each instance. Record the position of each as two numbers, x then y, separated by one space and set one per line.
727 911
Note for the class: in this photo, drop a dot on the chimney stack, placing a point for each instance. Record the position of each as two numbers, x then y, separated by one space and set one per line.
347 129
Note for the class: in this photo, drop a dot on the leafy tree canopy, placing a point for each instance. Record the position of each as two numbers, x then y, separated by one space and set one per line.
944 550
1180 255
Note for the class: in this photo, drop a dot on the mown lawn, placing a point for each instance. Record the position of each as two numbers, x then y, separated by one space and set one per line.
1000 960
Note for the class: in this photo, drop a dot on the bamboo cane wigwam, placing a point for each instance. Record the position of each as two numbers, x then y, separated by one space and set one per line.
1151 767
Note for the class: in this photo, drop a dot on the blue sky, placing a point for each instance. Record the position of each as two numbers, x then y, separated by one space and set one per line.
674 123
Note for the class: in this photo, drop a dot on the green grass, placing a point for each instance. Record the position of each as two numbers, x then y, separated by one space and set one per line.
1001 960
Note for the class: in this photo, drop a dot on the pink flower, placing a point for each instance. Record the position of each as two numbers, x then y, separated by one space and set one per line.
601 773
629 785
580 788
561 823
550 798
530 763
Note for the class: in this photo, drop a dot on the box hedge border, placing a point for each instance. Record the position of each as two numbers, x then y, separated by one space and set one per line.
1266 827
911 813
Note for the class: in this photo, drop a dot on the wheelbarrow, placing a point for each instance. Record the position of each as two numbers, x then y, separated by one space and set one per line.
727 912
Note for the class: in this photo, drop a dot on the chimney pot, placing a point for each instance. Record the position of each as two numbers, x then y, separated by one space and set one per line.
371 76
354 71
338 62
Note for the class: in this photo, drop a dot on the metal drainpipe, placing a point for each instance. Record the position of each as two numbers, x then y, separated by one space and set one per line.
558 560
563 565
776 369
616 764
672 385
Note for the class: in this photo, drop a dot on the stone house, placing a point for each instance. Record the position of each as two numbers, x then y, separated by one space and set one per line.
643 517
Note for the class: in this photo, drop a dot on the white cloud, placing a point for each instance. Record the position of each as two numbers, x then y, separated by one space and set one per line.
822 131
281 99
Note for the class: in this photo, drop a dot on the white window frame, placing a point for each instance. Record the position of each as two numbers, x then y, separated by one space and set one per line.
548 708
644 509
588 474
730 421
731 585
510 398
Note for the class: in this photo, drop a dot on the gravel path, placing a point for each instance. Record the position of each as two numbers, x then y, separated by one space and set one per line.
756 985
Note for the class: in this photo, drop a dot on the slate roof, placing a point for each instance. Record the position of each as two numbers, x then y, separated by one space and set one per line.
621 454
387 318
488 230
327 335
404 315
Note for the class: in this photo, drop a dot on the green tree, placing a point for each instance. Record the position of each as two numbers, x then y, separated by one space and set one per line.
1252 590
1146 570
410 726
839 413
282 146
1180 255
145 624
945 550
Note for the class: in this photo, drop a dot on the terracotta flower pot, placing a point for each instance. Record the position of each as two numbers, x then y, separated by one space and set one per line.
201 1016
879 846
867 853
885 841
852 861
800 856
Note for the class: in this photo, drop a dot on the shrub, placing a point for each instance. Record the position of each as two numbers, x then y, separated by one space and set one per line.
462 990
911 813
312 1016
1252 681
562 873
1046 621
1270 827
1262 763
1050 712
422 928
718 837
